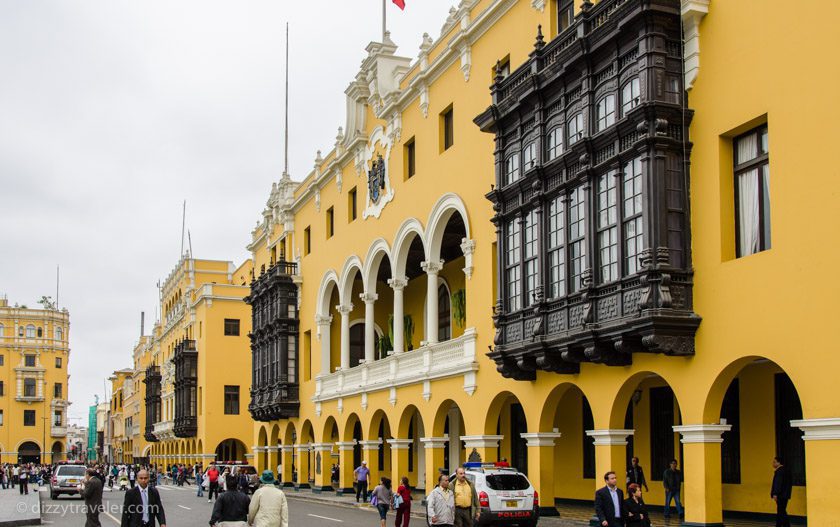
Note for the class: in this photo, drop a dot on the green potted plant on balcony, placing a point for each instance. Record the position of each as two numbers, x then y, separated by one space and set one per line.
408 330
459 307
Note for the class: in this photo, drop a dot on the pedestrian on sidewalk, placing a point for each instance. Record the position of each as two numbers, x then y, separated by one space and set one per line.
360 480
199 482
231 509
402 503
381 497
672 481
635 508
142 505
23 478
609 502
466 499
781 491
440 504
636 475
91 491
213 485
268 506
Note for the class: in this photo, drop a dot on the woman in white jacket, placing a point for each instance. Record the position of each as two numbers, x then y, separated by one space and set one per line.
268 506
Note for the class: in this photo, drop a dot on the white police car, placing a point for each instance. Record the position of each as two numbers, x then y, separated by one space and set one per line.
505 496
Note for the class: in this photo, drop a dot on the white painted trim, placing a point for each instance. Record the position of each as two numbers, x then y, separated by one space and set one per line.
710 433
818 429
611 437
481 441
541 438
400 444
434 442
692 12
345 446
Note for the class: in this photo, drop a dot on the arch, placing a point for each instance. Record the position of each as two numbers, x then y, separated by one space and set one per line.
274 438
625 392
29 451
402 242
442 211
494 409
57 451
290 435
199 448
717 390
330 426
352 266
405 420
442 412
378 250
263 437
307 432
147 451
328 282
378 417
551 405
347 431
231 449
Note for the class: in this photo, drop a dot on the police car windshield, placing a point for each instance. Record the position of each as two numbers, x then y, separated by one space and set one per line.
71 471
507 481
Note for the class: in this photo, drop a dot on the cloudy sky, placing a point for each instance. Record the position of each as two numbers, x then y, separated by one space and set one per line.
113 112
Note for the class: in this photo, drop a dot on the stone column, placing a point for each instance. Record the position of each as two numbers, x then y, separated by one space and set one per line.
288 457
398 285
541 468
822 439
432 269
323 322
345 311
370 453
322 472
434 448
400 450
302 466
702 492
257 458
345 467
273 460
485 445
610 452
370 334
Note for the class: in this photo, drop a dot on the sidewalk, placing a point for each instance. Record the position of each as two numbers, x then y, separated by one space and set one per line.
18 510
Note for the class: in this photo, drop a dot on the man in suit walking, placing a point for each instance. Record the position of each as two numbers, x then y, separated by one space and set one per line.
609 502
781 491
91 490
142 505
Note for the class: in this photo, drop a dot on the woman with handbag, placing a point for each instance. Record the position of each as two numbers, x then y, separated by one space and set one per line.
637 513
381 499
402 503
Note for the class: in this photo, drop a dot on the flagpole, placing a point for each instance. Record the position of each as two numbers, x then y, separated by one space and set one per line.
383 20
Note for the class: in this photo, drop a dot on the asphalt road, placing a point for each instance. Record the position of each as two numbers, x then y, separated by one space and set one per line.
183 508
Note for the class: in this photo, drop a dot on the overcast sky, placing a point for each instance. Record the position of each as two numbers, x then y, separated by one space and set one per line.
113 112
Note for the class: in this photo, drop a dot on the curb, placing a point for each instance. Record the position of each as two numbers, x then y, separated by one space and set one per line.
357 506
26 521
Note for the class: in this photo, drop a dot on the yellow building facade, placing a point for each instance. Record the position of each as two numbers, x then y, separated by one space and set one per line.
391 245
34 356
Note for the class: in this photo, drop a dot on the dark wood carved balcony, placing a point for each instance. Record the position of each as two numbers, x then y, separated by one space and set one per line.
648 306
185 359
274 344
152 400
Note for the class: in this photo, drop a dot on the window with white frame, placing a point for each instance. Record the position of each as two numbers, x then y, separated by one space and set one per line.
630 95
59 333
556 247
529 156
511 169
605 112
752 191
554 143
531 251
632 214
607 227
577 237
30 331
513 269
575 127
29 387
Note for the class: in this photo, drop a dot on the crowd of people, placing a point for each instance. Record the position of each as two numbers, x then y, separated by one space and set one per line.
21 475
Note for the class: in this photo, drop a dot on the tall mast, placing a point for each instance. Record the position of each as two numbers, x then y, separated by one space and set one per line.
286 131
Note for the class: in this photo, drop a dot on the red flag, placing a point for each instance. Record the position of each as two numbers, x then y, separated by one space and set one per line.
399 3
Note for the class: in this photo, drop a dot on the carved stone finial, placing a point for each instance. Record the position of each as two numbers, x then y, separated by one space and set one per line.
540 42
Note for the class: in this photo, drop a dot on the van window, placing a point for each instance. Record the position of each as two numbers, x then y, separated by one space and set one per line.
71 471
507 482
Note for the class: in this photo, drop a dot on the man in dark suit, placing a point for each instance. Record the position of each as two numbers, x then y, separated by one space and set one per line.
92 494
142 505
609 503
781 491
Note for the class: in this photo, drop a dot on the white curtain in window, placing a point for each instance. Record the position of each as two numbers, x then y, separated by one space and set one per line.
748 212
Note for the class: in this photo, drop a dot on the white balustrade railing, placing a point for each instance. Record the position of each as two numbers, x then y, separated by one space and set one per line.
435 361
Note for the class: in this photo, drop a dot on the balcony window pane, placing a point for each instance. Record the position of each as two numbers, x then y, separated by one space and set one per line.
529 156
531 269
512 264
556 248
554 143
575 129
607 229
633 226
512 169
606 112
577 237
630 96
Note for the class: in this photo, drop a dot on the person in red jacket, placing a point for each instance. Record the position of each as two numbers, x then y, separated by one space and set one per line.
404 508
212 476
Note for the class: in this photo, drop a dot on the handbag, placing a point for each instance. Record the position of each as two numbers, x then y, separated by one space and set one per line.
373 500
398 500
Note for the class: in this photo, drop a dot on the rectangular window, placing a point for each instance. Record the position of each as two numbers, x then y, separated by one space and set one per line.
2 360
410 158
565 15
661 431
351 205
529 156
556 247
730 450
605 112
58 362
588 442
307 356
577 237
29 361
1 417
2 388
752 191
58 390
29 418
29 387
513 271
231 327
231 400
554 143
57 419
532 276
632 221
330 222
789 444
630 96
511 169
607 228
291 362
575 127
307 241
447 129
